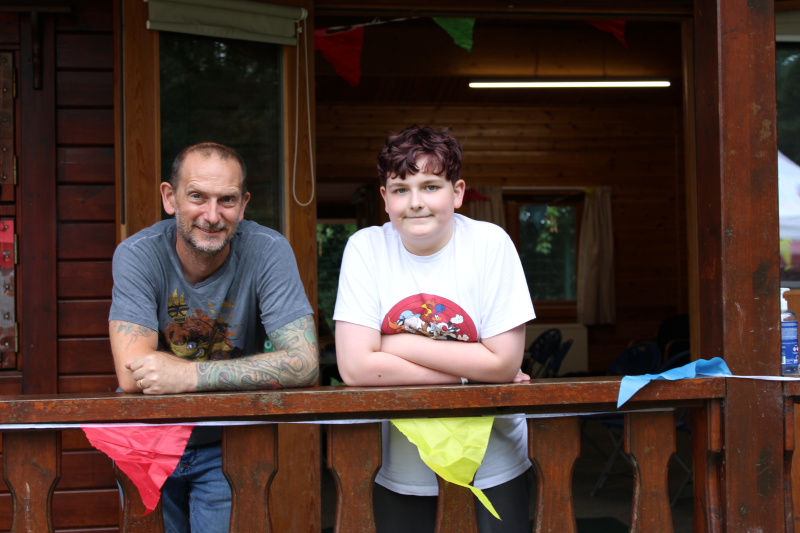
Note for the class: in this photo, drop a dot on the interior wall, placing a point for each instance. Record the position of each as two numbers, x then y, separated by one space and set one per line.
628 140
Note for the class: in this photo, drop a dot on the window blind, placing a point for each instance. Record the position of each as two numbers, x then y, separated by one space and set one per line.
233 19
787 26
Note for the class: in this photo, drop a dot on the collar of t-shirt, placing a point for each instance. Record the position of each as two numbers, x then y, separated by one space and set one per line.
429 258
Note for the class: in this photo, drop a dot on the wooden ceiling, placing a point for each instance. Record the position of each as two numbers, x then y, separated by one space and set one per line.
416 61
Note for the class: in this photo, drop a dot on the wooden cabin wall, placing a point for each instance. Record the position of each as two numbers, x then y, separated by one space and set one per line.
86 498
630 140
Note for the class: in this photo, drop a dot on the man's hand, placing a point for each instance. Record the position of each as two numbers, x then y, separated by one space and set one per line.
160 373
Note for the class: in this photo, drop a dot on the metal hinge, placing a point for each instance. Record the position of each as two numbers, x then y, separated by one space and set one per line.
15 169
16 249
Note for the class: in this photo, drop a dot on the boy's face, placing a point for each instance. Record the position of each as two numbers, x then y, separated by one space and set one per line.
421 209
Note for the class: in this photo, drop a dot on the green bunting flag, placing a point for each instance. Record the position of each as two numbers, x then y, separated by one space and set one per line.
460 29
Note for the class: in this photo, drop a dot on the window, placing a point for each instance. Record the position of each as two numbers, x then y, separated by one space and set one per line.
226 91
331 239
787 55
545 230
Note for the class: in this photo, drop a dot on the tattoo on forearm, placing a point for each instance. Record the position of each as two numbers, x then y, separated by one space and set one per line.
295 363
131 331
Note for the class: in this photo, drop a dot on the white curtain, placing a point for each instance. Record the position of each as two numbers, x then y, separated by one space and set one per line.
490 210
596 294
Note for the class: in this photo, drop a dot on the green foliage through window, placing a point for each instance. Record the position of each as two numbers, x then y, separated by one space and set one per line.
331 240
547 243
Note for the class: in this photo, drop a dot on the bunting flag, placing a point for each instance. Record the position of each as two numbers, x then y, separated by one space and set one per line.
614 27
460 29
147 455
343 51
472 195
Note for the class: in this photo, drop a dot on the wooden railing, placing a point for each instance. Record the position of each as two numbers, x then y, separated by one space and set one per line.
33 465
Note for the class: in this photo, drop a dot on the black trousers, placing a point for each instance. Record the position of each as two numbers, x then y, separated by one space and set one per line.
400 513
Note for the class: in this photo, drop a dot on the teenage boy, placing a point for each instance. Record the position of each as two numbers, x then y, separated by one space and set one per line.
442 277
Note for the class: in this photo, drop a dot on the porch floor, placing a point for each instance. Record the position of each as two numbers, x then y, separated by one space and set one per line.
612 501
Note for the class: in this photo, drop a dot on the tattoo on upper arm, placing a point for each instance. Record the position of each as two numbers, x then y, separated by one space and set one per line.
131 331
294 363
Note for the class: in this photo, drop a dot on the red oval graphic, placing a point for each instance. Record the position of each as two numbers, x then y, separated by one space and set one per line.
431 316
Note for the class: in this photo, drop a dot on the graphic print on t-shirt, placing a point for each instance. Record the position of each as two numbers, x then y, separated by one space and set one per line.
199 337
432 316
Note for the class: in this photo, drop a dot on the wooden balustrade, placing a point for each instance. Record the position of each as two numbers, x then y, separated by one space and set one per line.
32 457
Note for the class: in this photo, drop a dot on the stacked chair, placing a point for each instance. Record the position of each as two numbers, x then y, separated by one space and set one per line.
548 352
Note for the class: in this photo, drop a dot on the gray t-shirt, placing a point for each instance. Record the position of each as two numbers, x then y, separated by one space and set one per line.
256 291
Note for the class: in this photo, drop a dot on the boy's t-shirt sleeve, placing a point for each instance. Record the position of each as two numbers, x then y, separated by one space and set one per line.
505 299
281 295
134 296
357 300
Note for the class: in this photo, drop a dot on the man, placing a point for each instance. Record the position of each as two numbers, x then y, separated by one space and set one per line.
195 299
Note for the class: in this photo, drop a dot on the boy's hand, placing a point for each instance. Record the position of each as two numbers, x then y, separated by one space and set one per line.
521 377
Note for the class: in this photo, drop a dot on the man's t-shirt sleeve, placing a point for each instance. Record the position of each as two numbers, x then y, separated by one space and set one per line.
134 296
505 300
282 297
358 300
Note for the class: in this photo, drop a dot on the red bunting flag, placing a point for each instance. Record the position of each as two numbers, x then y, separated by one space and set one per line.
343 51
472 195
147 454
615 27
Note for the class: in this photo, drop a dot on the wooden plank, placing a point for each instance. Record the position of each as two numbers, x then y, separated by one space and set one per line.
138 154
31 469
84 51
354 458
322 403
788 463
85 165
86 16
87 384
74 439
37 219
455 510
85 356
86 203
739 278
83 318
9 28
650 444
249 462
84 279
133 518
7 128
85 469
85 126
707 458
85 241
554 444
85 89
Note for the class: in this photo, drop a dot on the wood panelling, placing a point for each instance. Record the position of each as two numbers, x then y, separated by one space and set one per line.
84 279
85 51
83 317
81 469
85 356
9 28
85 126
85 89
86 16
87 384
86 241
631 150
71 509
85 202
85 165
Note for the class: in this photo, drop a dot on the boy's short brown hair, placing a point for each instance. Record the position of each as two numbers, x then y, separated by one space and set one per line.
398 158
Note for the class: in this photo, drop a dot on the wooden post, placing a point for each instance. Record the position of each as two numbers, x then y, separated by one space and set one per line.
650 443
31 469
554 444
354 458
788 463
249 462
133 519
737 198
707 458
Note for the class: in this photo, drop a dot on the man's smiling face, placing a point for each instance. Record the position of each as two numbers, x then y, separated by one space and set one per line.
208 203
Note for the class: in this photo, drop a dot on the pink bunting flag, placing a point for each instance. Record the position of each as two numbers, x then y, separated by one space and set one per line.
147 454
615 27
343 51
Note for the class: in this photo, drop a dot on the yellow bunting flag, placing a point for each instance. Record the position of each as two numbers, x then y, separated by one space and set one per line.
451 447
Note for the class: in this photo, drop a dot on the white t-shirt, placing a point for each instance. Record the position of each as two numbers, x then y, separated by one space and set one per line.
472 288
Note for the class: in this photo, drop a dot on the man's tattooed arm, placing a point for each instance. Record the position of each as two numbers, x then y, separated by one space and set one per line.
294 363
131 332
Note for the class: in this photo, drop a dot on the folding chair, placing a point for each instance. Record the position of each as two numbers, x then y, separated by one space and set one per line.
542 349
555 362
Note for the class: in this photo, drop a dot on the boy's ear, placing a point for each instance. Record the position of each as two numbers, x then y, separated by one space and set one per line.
459 187
383 195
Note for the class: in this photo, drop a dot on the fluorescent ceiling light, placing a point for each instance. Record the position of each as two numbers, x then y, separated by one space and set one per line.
565 84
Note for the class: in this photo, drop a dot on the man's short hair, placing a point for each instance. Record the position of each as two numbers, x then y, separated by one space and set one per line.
398 158
207 150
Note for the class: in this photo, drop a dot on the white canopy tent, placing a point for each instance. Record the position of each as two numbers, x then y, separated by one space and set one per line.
788 197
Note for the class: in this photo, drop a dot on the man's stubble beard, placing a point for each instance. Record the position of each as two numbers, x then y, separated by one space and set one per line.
185 231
